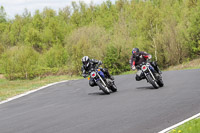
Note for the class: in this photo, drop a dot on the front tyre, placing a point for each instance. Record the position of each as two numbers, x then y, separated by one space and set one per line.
103 88
152 82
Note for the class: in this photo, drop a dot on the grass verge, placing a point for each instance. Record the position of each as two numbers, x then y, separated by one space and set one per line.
129 72
194 64
12 88
192 126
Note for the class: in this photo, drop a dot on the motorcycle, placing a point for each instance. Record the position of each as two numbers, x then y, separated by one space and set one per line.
105 84
155 79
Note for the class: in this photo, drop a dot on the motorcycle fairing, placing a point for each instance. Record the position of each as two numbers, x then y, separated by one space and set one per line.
101 74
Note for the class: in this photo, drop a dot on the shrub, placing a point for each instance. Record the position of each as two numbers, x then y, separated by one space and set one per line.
86 41
56 57
20 62
115 61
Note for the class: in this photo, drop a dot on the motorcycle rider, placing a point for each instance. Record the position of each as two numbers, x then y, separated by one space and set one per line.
137 58
89 64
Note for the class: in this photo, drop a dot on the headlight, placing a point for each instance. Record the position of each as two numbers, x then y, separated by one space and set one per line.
93 74
144 67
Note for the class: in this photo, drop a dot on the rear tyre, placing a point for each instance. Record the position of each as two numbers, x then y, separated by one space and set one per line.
159 80
103 88
153 83
160 83
113 88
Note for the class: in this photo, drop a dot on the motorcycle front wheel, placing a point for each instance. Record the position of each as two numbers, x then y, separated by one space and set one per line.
103 88
152 82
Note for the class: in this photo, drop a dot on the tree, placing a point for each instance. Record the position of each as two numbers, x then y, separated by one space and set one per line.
194 31
91 41
2 15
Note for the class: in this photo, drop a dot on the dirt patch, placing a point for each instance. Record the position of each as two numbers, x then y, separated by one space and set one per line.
1 76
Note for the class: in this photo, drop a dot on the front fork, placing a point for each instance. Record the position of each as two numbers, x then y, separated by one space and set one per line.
150 73
103 82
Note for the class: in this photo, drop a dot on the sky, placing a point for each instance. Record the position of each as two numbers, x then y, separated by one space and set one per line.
13 7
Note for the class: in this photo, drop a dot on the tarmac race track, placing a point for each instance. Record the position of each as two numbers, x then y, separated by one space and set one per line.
75 107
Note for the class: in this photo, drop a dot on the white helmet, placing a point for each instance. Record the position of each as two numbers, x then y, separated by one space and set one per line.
85 60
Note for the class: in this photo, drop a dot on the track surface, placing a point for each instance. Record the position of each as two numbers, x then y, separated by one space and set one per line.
74 107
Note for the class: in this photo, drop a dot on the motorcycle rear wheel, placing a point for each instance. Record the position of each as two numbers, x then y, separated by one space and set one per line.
113 88
160 83
159 80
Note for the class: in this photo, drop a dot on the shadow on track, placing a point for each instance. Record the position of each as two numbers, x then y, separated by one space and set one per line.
97 93
100 93
146 88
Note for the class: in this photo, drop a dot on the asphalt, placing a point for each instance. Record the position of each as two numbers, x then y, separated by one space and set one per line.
75 107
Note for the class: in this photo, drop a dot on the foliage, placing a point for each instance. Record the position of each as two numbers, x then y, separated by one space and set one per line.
2 14
111 60
19 62
89 41
56 57
194 31
167 29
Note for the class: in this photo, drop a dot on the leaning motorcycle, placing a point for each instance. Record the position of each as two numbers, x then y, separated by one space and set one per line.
105 84
155 79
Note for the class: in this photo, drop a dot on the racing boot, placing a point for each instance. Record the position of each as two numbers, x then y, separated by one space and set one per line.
155 66
111 77
159 70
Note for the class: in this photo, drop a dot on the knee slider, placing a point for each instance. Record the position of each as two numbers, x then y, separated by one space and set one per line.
137 78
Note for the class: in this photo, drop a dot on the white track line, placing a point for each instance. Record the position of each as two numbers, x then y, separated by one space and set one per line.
180 123
29 92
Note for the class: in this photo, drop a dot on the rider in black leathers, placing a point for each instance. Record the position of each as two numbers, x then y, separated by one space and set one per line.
89 64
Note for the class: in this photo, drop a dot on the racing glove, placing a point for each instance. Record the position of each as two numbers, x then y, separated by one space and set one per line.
84 75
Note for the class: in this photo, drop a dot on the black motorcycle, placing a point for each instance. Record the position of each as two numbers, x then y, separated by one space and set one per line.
105 84
155 79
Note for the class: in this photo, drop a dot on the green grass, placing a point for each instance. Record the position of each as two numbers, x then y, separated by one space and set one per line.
192 126
12 88
129 72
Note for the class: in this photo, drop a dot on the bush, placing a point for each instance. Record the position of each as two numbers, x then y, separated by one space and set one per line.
56 57
86 41
115 61
110 61
20 62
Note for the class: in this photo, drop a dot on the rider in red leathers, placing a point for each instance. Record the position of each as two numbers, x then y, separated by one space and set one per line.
137 58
